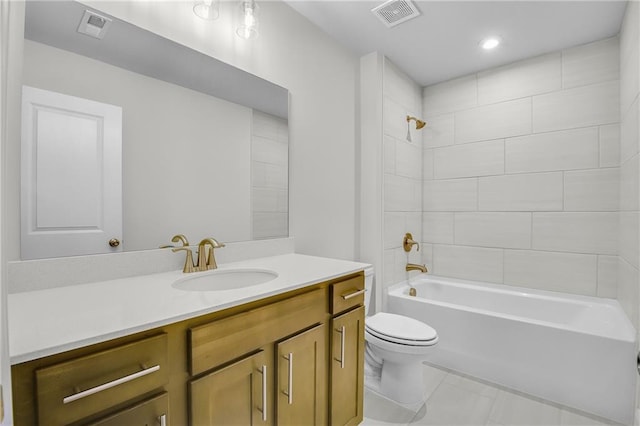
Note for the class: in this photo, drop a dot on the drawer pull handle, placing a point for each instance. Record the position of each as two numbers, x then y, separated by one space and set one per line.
264 393
162 420
343 333
289 391
109 385
354 294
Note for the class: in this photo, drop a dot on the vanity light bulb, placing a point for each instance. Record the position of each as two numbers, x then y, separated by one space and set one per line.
248 27
207 9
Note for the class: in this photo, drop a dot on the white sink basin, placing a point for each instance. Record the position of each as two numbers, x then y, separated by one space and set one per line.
224 279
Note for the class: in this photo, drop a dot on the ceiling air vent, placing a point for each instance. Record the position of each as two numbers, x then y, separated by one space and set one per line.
94 25
394 12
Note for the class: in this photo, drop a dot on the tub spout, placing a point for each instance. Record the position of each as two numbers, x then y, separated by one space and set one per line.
414 267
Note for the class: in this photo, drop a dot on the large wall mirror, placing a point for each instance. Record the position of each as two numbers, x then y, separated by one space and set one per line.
204 144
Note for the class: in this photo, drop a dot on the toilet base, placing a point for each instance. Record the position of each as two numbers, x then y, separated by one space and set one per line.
403 382
372 384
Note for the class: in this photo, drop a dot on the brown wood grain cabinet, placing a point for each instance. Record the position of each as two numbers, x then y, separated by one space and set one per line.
291 359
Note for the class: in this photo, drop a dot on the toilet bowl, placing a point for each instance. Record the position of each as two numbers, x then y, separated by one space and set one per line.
396 345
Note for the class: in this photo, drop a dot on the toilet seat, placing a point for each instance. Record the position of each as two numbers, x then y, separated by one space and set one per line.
401 330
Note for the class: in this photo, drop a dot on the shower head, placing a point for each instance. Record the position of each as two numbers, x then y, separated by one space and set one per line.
419 123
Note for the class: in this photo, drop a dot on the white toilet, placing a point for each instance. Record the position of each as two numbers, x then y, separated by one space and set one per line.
395 348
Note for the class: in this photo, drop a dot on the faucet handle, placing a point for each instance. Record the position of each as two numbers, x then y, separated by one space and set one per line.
188 262
408 242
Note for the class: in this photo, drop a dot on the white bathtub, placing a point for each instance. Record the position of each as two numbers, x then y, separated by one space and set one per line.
574 350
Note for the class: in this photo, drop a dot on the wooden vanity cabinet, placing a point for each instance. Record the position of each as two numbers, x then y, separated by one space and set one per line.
347 352
275 361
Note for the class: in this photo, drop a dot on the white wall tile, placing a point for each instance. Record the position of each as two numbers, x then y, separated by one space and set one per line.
269 151
629 231
449 96
389 146
413 224
541 74
565 272
592 190
395 119
269 200
591 63
270 225
610 145
578 107
474 159
607 276
269 175
563 150
451 195
438 131
628 289
427 255
437 227
582 232
471 263
500 230
408 160
427 164
266 125
629 184
394 225
401 194
629 75
523 192
399 87
629 132
505 119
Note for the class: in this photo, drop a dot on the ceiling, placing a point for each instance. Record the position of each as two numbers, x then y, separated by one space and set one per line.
442 43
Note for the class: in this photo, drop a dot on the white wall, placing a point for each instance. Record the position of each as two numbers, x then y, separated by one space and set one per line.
521 172
320 75
177 145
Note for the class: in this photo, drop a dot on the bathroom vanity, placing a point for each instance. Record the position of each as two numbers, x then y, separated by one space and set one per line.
288 352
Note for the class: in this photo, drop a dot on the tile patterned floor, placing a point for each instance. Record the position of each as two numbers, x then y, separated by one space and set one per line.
454 399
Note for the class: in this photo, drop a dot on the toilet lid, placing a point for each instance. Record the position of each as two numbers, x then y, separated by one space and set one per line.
400 328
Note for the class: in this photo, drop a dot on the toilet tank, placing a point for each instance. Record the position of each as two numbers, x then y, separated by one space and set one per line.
368 286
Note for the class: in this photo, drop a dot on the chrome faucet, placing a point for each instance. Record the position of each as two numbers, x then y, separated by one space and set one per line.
414 267
205 262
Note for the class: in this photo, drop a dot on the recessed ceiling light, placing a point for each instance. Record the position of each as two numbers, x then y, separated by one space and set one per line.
490 43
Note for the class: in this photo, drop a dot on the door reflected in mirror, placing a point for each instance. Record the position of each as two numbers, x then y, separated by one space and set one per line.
204 144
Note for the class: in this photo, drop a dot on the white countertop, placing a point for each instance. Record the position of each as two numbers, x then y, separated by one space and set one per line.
46 322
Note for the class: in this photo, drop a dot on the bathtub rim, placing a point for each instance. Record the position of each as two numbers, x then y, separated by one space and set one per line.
627 332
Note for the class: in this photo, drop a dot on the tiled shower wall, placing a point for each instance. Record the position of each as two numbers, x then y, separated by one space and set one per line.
269 176
521 173
629 162
402 162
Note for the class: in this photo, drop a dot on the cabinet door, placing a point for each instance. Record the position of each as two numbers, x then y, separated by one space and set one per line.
234 395
152 412
302 378
347 368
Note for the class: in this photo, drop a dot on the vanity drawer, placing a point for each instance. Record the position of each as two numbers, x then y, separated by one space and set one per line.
75 389
226 339
347 294
151 412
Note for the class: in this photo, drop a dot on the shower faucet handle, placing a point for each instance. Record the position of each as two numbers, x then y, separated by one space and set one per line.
408 242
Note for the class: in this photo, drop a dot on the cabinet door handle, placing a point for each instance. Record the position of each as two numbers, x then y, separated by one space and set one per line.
354 294
109 385
264 393
162 420
343 333
289 391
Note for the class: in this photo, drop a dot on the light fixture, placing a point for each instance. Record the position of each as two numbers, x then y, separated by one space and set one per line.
490 43
248 19
207 9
